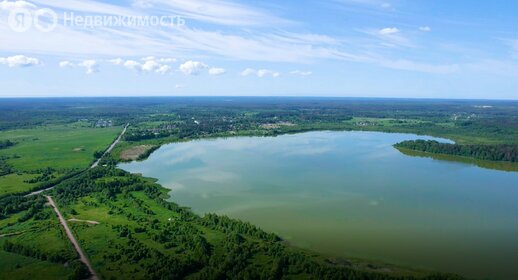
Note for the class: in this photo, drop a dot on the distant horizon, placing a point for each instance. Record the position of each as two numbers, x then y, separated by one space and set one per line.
257 96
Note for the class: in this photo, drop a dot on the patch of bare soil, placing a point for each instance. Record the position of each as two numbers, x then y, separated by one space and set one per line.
134 153
84 221
276 125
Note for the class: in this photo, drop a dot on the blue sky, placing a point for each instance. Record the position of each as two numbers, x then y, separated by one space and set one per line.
357 48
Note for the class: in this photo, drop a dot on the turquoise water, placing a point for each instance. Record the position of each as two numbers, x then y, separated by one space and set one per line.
352 194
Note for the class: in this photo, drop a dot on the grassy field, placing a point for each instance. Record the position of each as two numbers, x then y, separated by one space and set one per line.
14 267
56 146
60 147
43 235
14 183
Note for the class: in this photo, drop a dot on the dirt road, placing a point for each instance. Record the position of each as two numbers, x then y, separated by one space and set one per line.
82 256
96 163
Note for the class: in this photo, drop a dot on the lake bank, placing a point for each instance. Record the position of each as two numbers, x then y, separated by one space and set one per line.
350 194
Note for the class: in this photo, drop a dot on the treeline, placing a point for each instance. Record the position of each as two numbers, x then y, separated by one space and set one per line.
227 225
483 152
62 256
80 271
5 144
5 168
14 204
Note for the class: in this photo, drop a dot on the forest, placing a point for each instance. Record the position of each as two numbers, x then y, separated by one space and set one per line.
501 152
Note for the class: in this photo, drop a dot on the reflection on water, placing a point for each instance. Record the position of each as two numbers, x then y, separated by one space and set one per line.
352 194
498 165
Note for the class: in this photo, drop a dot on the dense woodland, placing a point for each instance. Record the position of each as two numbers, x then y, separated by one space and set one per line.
483 152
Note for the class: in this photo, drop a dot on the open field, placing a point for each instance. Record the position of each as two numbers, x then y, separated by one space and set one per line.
56 146
14 266
45 153
14 183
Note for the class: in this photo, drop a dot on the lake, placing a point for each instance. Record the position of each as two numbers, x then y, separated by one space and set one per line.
351 194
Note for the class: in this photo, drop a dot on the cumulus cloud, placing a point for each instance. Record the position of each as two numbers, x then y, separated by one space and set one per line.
425 28
216 71
388 31
147 58
91 66
65 63
167 60
19 61
11 5
301 73
164 69
248 72
150 64
132 65
265 72
260 73
193 67
116 61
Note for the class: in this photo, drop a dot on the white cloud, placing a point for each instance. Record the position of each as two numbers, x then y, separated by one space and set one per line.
147 58
276 43
91 66
167 60
65 63
193 67
116 61
425 28
132 65
214 11
179 86
301 73
150 66
164 69
408 65
11 5
366 3
260 73
388 31
248 72
265 72
19 61
216 71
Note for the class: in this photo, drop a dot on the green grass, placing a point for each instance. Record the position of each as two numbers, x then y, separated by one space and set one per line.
46 235
56 146
14 266
61 147
14 183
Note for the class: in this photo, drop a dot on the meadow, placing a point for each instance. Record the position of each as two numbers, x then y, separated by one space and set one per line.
41 154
